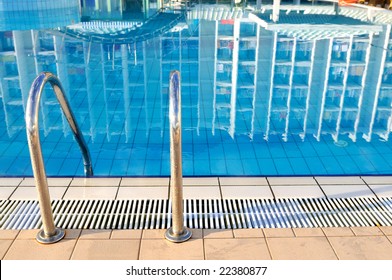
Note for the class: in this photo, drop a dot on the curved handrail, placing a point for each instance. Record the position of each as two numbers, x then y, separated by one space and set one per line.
49 234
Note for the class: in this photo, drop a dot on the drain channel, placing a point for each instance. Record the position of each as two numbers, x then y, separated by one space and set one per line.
201 213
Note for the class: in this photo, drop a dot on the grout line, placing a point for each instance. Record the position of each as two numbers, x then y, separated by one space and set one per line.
333 249
269 185
140 245
268 247
322 190
9 247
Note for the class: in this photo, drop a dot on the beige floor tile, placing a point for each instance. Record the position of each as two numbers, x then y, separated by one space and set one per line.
366 231
308 232
248 233
161 249
390 238
387 230
382 190
236 249
344 191
4 246
8 233
91 193
278 232
196 233
241 192
95 234
377 180
201 192
362 247
143 193
306 191
95 182
338 231
217 233
146 182
106 250
243 181
301 248
341 180
126 234
200 181
28 234
291 181
30 193
28 249
72 233
153 234
10 182
6 192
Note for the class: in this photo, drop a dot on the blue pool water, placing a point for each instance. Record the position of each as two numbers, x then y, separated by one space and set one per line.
259 98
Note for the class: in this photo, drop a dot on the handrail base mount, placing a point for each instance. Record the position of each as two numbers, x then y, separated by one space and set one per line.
45 239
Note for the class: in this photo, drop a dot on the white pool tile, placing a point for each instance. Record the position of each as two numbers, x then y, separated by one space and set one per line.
382 190
30 193
133 182
291 181
345 191
95 182
342 180
91 193
143 193
28 182
5 192
201 192
200 181
243 181
10 182
377 180
246 192
307 191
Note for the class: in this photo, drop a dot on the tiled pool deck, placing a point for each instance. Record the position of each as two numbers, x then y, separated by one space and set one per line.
206 244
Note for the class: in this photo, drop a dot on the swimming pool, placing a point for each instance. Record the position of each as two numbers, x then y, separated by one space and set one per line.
259 98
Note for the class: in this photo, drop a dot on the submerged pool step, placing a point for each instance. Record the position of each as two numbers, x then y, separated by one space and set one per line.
201 213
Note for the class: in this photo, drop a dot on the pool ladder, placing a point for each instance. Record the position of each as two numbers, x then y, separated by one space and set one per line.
49 234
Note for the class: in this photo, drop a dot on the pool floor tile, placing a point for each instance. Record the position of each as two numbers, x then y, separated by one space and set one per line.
143 193
291 181
236 249
301 248
341 180
382 190
161 249
6 192
10 182
91 193
345 191
106 250
241 192
95 182
29 193
239 181
362 247
30 249
201 192
133 182
307 191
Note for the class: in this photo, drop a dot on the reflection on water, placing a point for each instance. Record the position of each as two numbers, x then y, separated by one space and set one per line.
259 97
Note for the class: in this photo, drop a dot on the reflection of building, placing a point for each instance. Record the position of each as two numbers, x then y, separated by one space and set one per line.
237 77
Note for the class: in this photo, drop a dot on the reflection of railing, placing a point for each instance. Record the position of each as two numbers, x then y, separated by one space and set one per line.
50 233
177 233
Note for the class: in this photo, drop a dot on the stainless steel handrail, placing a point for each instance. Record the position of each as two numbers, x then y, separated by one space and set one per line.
49 233
177 233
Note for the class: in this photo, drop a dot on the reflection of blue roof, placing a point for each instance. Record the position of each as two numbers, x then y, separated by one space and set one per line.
107 32
314 26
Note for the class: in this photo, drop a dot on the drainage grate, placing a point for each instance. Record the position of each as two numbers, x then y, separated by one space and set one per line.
202 213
